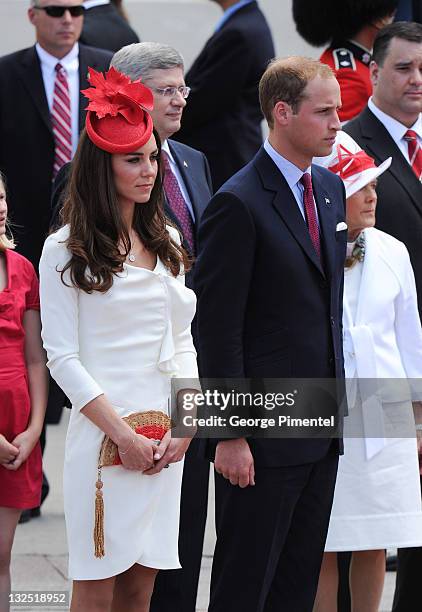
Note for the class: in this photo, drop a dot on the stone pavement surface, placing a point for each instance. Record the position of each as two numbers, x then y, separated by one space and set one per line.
39 560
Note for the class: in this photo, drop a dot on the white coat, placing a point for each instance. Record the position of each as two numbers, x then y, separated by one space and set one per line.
377 501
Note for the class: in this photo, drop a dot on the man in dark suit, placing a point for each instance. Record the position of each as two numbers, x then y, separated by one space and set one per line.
223 118
391 125
28 145
104 27
269 280
161 68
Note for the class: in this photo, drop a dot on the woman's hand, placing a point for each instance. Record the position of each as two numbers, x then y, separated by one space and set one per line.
25 443
8 452
137 453
170 450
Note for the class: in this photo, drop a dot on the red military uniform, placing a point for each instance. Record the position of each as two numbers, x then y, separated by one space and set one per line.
351 66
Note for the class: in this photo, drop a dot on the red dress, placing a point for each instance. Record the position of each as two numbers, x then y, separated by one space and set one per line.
20 488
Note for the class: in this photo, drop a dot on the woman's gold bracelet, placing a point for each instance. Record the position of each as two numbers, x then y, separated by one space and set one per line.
121 452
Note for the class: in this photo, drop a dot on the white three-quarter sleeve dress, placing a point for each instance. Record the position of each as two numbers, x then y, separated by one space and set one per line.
126 343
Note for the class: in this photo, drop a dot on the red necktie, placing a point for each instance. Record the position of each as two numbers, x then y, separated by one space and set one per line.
177 202
310 212
415 152
61 120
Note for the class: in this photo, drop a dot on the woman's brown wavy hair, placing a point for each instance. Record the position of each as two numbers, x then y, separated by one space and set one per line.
91 209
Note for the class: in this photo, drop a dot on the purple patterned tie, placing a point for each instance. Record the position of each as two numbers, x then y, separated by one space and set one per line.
177 202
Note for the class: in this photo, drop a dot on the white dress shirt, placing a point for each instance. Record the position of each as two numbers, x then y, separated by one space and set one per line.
165 147
70 63
292 174
396 129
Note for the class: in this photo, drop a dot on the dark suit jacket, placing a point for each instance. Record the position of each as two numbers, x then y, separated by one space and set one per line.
105 28
194 169
266 307
223 117
27 142
399 209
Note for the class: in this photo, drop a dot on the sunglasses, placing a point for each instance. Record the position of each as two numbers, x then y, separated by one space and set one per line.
59 11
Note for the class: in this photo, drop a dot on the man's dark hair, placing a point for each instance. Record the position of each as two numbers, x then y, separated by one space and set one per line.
321 22
406 30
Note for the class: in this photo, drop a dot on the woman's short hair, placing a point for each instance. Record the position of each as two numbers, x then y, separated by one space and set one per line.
285 80
6 242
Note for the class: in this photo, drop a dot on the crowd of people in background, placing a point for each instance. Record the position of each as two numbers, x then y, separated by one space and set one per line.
150 235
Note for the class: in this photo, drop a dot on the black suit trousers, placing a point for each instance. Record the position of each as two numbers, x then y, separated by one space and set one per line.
409 565
176 590
270 538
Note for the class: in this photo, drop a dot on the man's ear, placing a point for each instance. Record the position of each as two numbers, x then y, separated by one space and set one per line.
31 14
381 22
374 72
282 112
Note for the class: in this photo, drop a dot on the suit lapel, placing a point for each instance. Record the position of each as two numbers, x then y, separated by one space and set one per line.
86 58
83 84
380 144
285 204
326 222
30 72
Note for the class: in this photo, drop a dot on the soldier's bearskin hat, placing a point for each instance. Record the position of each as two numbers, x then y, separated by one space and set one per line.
321 21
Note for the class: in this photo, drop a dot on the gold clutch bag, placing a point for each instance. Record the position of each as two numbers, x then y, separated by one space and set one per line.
152 424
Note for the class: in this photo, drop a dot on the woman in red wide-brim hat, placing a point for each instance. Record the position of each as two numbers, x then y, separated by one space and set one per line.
116 326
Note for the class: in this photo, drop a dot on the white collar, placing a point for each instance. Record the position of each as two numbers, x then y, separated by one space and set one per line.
91 3
396 129
165 147
291 173
50 61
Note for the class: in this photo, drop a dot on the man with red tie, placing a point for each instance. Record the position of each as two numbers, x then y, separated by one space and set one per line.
391 125
42 113
269 282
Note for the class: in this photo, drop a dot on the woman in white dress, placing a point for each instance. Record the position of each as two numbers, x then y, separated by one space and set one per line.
116 321
377 500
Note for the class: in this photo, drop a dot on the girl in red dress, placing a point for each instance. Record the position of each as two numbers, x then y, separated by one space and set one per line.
23 394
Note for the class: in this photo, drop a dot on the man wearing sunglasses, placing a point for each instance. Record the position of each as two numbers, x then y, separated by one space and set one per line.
41 114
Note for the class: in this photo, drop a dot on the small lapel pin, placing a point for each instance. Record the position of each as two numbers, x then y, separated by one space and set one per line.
327 201
185 164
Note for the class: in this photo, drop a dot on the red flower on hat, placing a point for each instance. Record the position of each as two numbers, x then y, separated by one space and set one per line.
349 164
115 94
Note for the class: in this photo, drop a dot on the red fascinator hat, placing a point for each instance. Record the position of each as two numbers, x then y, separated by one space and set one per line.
117 120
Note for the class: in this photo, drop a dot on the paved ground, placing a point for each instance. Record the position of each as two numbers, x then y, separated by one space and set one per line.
40 552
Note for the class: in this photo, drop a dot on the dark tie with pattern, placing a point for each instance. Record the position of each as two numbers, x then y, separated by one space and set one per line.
310 212
177 202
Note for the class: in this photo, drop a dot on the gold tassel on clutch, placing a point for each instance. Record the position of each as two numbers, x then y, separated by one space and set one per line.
99 518
152 424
